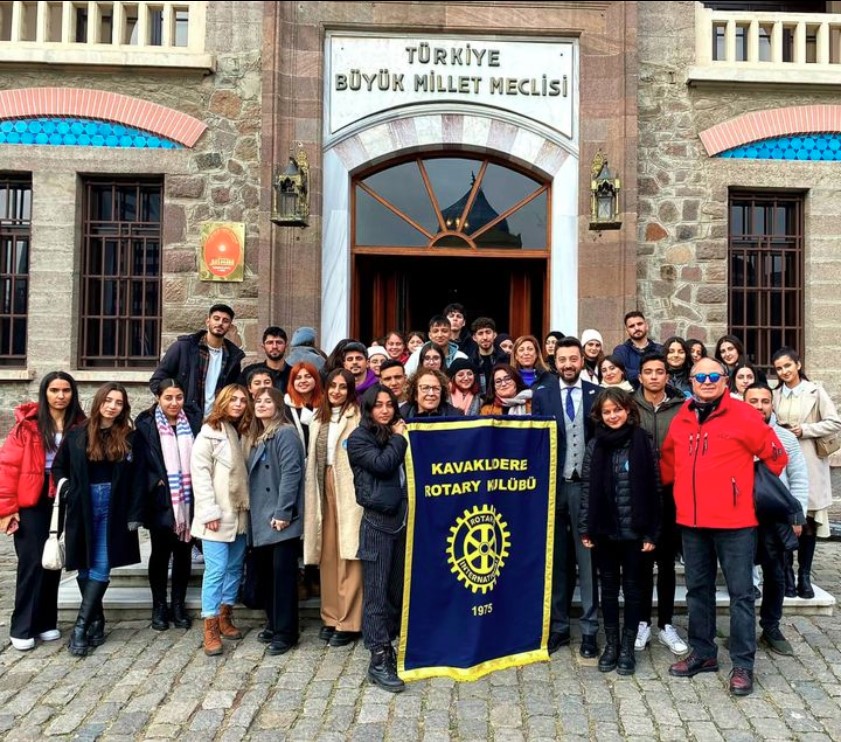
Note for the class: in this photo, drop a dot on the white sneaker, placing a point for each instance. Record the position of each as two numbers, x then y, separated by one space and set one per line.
643 636
670 637
50 636
22 644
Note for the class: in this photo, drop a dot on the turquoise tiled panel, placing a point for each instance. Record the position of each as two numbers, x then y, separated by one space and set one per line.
801 147
63 132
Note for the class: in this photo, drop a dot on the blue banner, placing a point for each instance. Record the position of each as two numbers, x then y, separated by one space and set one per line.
478 578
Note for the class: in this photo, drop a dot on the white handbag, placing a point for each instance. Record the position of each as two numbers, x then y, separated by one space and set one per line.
54 550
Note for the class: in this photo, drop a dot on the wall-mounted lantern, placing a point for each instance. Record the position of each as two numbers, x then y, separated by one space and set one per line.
291 205
604 195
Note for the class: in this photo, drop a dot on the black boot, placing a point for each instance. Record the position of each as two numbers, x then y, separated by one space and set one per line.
382 671
627 663
180 618
160 615
610 656
96 631
181 567
805 555
788 570
91 596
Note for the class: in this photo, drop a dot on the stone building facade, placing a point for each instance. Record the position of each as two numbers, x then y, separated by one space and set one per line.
213 86
685 267
252 82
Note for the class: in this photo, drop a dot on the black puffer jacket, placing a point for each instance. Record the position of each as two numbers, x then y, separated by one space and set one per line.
621 528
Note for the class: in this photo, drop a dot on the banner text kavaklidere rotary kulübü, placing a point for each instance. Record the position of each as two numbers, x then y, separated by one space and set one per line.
478 547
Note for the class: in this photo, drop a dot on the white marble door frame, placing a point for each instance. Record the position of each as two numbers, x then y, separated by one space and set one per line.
471 132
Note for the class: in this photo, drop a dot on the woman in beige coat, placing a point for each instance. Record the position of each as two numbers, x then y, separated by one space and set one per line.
331 515
807 411
220 520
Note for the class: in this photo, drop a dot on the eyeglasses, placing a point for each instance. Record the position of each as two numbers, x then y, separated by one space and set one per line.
429 389
503 380
713 377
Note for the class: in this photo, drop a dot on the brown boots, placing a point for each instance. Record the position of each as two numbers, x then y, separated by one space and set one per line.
218 627
212 640
226 625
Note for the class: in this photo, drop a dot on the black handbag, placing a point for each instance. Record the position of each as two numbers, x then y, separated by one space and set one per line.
773 501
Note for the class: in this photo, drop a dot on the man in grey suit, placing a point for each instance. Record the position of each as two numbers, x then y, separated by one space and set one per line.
568 399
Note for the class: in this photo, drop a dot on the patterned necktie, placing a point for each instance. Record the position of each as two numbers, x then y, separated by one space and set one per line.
570 404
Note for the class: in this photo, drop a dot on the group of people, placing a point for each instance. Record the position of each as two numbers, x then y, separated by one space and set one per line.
298 459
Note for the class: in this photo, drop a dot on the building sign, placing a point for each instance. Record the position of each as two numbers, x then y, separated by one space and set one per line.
368 75
222 255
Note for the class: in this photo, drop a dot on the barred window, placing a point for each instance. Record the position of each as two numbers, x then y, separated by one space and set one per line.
15 233
766 272
121 274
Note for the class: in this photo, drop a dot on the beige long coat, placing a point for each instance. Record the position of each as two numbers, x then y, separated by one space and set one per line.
349 512
818 417
211 467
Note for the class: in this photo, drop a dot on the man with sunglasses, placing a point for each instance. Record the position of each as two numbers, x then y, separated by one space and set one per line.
708 456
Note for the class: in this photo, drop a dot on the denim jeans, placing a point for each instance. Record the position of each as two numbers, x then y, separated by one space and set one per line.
735 549
100 568
568 550
222 574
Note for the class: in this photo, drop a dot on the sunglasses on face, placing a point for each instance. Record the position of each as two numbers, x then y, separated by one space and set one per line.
713 377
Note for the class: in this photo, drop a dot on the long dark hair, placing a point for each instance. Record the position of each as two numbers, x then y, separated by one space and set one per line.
381 432
687 361
794 355
735 342
115 445
72 413
162 387
325 412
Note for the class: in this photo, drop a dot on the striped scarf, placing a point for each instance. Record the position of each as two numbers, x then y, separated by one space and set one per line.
176 448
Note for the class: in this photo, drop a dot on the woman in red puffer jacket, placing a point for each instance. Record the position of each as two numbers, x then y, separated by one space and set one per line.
26 502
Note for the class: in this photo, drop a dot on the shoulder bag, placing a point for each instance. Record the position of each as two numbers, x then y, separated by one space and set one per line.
828 445
54 550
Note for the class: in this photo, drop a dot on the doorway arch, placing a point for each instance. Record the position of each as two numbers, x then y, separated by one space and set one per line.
428 231
545 155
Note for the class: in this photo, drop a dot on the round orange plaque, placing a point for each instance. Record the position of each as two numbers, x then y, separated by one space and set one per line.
222 252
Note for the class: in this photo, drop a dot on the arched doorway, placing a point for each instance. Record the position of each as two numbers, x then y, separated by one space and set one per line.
433 230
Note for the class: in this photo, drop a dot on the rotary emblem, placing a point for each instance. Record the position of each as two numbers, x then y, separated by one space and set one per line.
477 547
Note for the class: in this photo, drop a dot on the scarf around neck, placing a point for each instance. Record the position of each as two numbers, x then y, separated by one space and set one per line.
176 448
601 520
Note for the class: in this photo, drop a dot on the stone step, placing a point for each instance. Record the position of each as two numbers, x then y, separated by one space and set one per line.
128 597
135 603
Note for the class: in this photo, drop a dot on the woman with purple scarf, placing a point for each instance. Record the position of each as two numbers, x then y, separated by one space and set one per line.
163 446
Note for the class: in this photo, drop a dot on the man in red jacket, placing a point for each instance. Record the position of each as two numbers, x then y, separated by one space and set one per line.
708 455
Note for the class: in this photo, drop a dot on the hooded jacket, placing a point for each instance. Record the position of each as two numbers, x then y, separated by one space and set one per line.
23 463
181 362
656 422
711 463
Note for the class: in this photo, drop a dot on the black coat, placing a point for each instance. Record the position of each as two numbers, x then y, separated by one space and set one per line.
445 409
71 462
181 362
151 477
619 523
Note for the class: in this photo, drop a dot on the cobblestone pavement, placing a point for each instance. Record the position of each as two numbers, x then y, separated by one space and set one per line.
147 685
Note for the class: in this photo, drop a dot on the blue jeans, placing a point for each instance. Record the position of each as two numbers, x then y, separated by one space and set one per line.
735 549
100 569
222 574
